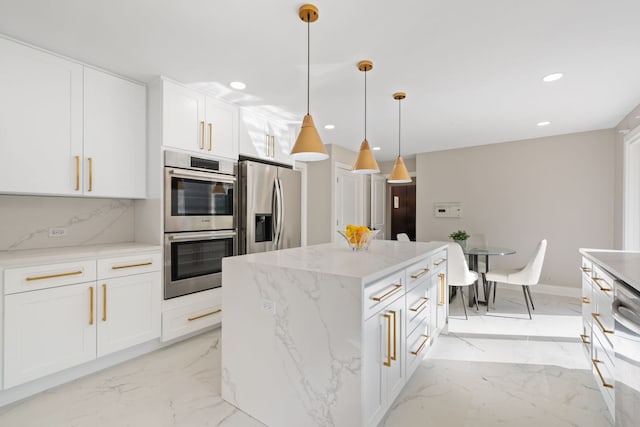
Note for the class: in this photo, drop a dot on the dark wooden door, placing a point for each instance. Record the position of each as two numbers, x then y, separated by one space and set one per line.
403 210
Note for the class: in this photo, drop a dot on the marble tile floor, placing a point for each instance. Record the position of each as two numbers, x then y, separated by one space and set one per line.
466 380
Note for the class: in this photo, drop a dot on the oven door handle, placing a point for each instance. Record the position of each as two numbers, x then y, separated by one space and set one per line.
204 176
201 236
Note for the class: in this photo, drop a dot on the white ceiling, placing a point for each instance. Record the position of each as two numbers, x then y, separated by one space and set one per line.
472 69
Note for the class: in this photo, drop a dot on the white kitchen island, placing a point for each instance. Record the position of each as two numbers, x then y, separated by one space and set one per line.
324 336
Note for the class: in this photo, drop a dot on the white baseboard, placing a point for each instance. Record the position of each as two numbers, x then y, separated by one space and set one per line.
563 291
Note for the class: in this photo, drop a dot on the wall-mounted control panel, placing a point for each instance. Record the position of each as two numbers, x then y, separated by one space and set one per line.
447 210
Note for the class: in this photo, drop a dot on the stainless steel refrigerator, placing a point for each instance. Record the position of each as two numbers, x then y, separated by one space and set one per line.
270 198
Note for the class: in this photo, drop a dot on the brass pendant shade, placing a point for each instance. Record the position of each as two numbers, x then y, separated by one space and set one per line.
399 174
365 162
308 146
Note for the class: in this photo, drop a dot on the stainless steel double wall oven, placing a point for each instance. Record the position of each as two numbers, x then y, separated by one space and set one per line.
200 207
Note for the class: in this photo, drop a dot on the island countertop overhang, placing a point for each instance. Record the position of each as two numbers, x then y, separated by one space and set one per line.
383 257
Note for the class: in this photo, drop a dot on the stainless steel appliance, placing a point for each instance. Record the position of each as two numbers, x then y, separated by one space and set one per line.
626 313
270 198
200 193
193 261
200 205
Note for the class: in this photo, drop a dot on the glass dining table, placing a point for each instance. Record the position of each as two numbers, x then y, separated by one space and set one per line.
474 254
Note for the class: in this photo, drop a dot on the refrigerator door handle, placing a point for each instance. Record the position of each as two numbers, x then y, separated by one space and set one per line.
276 209
280 214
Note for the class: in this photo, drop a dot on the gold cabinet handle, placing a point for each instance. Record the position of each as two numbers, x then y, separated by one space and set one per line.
395 335
597 282
267 145
383 297
142 264
202 132
273 146
442 290
596 317
77 173
211 313
585 269
585 339
439 262
424 342
91 305
419 275
585 300
104 302
52 276
595 365
210 136
388 362
90 173
420 306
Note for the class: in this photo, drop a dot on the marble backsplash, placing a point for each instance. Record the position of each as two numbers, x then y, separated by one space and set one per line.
25 221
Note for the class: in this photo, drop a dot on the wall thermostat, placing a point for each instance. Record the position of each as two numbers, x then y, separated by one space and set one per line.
447 210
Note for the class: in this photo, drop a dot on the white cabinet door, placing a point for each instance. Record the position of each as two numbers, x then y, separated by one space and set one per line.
222 125
281 143
128 311
378 191
183 118
47 331
40 122
254 138
439 296
114 136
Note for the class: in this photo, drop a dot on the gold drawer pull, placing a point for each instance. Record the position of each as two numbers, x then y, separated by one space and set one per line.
388 362
395 335
211 313
142 264
91 305
585 339
585 269
596 317
90 160
395 289
419 308
426 339
439 262
585 300
104 302
597 281
419 275
52 276
210 136
77 173
595 365
442 290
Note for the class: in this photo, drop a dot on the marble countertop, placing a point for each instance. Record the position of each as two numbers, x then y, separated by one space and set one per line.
383 257
624 265
36 256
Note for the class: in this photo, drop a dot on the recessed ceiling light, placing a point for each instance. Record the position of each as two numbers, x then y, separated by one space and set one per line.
329 127
545 123
238 85
376 148
552 77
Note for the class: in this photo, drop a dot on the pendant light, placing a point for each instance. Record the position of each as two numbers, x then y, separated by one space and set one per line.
399 174
366 161
308 146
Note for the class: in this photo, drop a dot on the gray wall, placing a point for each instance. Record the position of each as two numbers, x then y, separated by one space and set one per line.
560 188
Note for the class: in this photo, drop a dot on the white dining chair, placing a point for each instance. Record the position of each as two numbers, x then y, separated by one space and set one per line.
526 276
403 237
459 273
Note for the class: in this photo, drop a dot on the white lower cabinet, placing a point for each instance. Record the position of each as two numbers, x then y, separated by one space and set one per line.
53 322
48 330
439 295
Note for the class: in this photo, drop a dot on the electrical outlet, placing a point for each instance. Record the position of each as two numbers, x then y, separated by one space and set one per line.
268 306
57 231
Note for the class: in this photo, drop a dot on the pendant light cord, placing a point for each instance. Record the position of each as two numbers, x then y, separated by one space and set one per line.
399 124
308 57
365 104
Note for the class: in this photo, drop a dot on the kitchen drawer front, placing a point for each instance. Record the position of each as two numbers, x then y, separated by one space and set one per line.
185 320
48 276
418 273
439 260
418 306
128 265
603 366
603 282
602 315
418 342
383 292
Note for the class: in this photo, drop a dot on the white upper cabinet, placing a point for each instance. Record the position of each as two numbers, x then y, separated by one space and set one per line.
195 122
40 122
114 136
66 129
264 138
